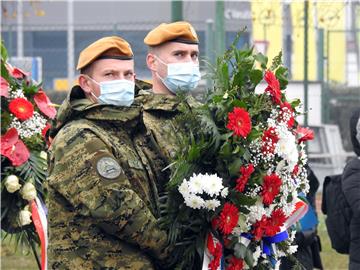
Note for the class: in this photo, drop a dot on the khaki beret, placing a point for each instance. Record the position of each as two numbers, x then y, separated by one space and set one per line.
96 51
178 31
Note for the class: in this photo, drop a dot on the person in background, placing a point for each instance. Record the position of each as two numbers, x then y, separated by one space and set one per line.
351 188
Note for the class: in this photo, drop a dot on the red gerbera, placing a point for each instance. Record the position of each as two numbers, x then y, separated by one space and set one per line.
228 219
13 148
21 108
274 223
273 87
243 179
304 134
239 122
44 104
4 87
235 264
259 228
271 188
287 114
269 139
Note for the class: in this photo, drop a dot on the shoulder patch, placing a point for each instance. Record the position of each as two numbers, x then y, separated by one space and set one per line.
108 167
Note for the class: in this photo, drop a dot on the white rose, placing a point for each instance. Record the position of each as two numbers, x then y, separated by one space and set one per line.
12 183
25 217
28 192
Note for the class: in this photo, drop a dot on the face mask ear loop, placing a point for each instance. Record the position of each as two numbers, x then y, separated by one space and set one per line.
91 92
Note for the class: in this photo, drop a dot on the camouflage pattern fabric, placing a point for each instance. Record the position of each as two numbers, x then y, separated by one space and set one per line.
102 202
160 135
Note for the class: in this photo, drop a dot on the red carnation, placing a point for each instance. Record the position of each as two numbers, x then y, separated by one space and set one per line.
13 148
44 104
273 86
271 188
4 87
21 108
304 134
269 139
288 113
275 222
239 122
228 219
235 264
243 179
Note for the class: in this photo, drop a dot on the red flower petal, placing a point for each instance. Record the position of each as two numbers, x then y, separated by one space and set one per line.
13 148
4 87
239 122
229 217
235 264
21 108
288 113
269 139
16 72
275 222
304 134
243 179
273 87
44 104
271 188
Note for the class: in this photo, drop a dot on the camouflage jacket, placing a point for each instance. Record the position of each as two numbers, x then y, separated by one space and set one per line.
102 203
160 135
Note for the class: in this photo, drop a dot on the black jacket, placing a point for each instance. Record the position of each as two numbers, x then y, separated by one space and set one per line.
351 189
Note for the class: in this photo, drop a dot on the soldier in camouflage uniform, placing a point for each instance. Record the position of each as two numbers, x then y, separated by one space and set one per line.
174 64
102 203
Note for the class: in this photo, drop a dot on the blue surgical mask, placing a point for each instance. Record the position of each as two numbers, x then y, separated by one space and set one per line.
116 92
181 77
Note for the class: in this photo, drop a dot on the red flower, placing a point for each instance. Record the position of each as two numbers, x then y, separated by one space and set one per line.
235 264
273 86
21 108
271 188
4 87
45 129
239 122
13 148
304 134
228 219
295 171
44 104
259 228
287 114
274 223
243 179
16 72
269 139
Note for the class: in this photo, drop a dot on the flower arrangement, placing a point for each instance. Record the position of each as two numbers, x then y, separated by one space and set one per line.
246 154
25 114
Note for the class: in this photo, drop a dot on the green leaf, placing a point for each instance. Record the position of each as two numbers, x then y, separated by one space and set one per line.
240 250
241 199
281 74
234 167
262 59
239 103
256 76
249 258
4 54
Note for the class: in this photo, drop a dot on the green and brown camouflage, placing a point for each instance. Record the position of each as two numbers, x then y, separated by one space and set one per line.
103 208
160 136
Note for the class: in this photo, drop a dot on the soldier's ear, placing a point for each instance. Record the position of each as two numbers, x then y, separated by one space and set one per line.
84 83
151 62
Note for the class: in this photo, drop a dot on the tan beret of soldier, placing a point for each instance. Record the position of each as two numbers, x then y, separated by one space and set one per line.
177 31
117 48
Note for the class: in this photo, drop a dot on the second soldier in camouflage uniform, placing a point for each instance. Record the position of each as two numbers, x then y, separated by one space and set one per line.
102 203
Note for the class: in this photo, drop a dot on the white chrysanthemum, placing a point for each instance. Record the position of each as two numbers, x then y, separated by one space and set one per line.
256 212
212 204
225 192
184 188
212 184
287 147
194 201
196 184
292 249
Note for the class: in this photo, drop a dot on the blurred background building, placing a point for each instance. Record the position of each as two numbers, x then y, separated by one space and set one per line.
45 38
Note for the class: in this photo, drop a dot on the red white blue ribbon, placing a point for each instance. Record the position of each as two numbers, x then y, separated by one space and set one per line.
38 213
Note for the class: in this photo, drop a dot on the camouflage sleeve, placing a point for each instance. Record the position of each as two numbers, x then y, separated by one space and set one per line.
86 173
